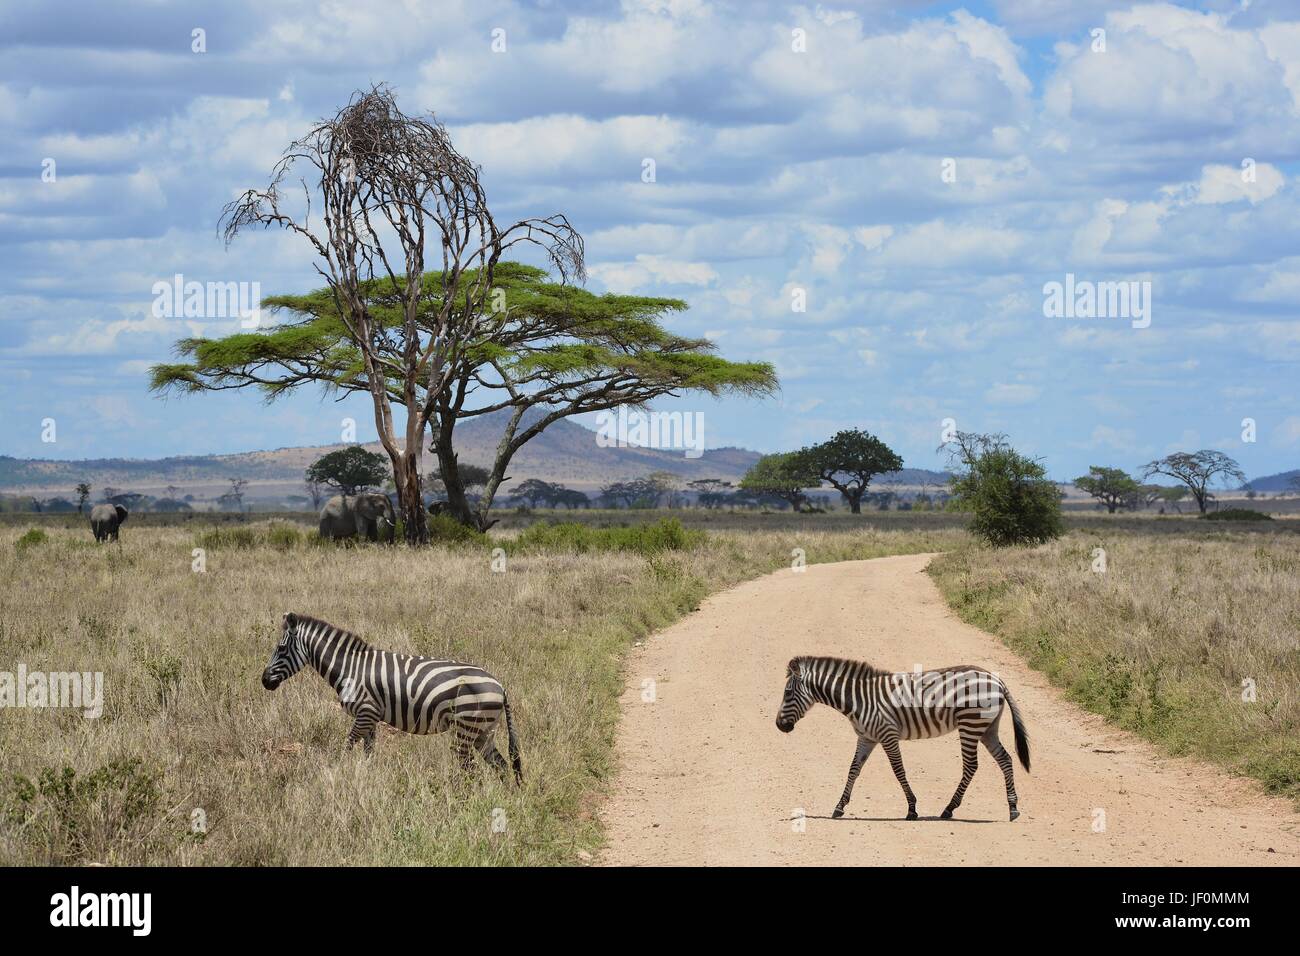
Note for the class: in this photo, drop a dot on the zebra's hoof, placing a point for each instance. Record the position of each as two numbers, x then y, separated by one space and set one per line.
911 815
837 813
946 815
1014 814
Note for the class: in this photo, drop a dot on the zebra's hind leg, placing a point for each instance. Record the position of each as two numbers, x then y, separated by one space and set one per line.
969 764
860 756
896 761
465 753
363 729
488 748
999 753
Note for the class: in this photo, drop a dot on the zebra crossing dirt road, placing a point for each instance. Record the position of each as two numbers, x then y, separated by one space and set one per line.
706 778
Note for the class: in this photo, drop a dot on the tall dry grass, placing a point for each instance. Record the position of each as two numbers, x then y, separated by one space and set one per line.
187 727
1169 641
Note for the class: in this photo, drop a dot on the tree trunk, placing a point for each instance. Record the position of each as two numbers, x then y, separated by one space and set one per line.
406 479
855 504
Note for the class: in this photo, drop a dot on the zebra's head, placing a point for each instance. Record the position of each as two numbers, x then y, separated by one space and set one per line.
797 697
288 656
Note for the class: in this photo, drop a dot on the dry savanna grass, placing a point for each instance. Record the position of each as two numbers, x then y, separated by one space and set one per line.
1191 640
192 762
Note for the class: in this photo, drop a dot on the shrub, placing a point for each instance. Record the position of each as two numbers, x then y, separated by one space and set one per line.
1236 514
444 529
1012 499
79 819
31 539
667 534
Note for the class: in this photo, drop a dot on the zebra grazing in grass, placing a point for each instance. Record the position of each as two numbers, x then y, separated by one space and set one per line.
885 708
419 695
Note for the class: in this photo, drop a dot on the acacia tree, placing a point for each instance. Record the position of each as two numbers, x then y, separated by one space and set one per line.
83 495
849 461
549 351
389 186
347 469
1197 470
558 351
535 491
1113 487
784 475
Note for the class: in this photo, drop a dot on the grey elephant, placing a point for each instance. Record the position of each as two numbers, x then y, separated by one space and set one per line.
105 520
369 514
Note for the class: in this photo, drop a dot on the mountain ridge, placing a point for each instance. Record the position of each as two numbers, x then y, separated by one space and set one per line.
566 453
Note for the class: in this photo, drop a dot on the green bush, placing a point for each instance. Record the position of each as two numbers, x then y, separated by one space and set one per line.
32 538
667 534
79 819
1236 514
1011 497
444 529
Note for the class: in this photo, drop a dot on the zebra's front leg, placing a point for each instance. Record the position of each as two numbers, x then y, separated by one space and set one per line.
896 761
860 756
969 764
363 729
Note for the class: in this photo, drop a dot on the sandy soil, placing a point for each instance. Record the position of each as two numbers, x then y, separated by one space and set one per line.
708 779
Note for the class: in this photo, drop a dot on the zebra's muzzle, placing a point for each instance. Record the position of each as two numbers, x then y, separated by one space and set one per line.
269 682
785 728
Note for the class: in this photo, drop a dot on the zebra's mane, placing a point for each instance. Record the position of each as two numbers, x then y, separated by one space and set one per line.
865 669
352 635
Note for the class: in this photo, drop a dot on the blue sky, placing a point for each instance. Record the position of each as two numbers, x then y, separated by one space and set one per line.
776 170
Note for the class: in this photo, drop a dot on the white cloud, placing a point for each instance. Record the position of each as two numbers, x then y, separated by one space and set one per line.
1003 394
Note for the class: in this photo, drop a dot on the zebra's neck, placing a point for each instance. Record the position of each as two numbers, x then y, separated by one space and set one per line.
334 653
839 684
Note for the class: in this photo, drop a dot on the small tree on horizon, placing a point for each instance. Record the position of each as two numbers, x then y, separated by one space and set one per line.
1198 471
1113 487
784 475
849 460
83 495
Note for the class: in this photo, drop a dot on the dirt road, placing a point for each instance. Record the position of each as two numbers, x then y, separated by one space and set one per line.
707 778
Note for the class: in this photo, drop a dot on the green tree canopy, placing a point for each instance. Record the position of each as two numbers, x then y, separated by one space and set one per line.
349 470
546 351
1010 496
1113 487
784 475
849 460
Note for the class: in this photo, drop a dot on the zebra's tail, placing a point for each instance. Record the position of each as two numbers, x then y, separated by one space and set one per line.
512 741
1022 736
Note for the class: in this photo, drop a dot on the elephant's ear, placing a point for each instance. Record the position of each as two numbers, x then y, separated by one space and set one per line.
121 513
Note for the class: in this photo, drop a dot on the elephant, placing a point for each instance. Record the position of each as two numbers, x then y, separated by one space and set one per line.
105 520
368 513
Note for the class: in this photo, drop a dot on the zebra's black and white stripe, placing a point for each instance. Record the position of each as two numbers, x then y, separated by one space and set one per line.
419 695
885 708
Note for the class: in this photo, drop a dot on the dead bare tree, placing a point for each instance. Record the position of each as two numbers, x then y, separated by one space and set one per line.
388 183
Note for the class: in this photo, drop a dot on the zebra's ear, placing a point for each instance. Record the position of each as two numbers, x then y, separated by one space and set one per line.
793 667
290 618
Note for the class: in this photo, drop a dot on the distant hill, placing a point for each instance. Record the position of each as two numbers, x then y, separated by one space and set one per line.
1279 482
565 452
